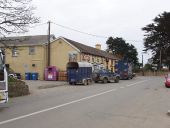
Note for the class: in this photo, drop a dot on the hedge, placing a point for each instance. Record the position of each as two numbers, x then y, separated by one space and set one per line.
17 87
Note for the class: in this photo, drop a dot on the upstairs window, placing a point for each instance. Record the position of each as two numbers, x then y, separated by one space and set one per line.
31 50
14 52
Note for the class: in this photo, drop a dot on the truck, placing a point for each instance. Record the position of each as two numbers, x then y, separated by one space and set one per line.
124 69
79 73
105 76
3 79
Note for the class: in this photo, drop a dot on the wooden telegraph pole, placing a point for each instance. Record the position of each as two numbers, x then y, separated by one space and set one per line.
48 47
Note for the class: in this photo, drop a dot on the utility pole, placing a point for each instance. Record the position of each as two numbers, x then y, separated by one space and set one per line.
160 57
142 66
48 46
142 60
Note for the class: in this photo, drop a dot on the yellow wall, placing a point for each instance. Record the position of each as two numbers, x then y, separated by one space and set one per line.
111 65
59 57
60 54
22 63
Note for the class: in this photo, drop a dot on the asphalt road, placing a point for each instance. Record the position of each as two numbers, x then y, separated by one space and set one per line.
139 103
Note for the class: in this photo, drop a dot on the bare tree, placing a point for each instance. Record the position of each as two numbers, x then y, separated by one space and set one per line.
16 16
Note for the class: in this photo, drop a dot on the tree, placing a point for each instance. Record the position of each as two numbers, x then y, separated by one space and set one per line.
123 50
157 39
16 16
117 46
148 67
132 54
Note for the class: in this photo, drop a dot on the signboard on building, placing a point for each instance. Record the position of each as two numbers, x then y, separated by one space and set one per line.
86 58
72 56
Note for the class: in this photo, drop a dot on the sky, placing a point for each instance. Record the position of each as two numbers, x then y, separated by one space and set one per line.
116 18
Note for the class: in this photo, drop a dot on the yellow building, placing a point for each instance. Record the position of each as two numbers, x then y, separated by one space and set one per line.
29 54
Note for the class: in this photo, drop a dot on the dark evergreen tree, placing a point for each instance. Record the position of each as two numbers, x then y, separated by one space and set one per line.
157 39
123 50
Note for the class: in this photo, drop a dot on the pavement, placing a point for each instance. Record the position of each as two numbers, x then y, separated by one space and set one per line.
41 84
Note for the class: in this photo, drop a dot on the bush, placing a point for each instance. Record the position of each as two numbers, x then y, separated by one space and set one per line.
17 87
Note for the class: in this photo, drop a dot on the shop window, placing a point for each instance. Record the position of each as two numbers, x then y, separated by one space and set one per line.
31 50
92 59
102 60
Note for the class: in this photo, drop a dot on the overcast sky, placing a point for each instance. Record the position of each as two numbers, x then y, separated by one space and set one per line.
117 18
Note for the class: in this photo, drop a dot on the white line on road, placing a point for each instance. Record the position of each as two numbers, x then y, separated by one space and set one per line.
136 83
62 105
122 87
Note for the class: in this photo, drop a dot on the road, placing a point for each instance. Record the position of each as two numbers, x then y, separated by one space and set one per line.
142 102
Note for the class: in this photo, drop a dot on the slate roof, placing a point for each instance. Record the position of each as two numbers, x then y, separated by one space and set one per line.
25 40
90 50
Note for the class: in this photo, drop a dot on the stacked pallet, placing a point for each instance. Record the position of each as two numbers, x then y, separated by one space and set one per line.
62 76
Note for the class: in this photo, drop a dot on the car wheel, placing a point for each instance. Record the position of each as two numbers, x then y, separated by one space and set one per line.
105 80
85 82
117 80
167 86
96 81
89 82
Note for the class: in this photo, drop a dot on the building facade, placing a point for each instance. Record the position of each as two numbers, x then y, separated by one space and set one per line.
31 55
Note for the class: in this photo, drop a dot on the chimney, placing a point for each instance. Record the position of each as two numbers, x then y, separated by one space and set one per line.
98 46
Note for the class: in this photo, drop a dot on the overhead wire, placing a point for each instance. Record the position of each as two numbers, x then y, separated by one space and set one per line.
72 29
37 25
99 36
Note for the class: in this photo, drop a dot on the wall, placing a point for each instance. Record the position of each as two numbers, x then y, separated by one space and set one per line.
23 62
60 51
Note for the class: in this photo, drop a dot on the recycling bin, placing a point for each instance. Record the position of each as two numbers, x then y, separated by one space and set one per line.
27 76
51 73
34 76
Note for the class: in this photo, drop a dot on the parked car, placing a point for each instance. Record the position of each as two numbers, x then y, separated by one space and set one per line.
105 76
15 75
167 81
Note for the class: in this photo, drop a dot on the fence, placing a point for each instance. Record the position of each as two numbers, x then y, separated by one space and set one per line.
153 73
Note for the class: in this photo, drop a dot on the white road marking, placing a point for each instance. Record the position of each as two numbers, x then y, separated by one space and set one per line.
136 83
62 105
122 87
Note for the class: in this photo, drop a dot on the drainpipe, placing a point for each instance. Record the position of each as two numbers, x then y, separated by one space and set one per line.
48 47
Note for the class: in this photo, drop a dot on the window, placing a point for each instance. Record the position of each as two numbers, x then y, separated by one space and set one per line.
97 59
14 52
102 60
72 57
92 59
31 50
